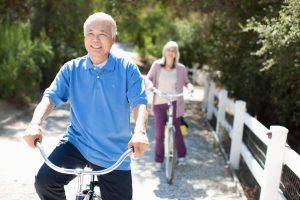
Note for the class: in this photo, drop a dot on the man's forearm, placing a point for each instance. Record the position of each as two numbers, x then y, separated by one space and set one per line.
42 110
141 118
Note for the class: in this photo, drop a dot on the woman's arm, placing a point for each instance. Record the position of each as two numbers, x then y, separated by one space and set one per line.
187 82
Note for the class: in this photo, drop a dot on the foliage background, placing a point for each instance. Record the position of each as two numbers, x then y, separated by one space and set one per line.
252 45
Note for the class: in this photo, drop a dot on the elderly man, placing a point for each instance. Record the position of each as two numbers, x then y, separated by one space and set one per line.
101 88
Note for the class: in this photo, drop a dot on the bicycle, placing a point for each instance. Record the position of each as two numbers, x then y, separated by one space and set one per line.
169 136
87 193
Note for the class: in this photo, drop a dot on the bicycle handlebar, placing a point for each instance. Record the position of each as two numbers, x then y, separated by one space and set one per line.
79 170
166 95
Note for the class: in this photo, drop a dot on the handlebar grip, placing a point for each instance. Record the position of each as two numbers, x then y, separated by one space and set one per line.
37 140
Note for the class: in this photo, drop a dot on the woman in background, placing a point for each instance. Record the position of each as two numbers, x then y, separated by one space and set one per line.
168 76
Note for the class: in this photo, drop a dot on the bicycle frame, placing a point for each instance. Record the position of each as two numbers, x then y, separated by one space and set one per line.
170 98
169 138
80 195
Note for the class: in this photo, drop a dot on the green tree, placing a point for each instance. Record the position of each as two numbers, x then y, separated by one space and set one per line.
62 21
146 24
14 11
280 51
191 39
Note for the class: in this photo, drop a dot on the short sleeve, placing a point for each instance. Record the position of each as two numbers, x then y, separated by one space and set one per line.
136 91
58 91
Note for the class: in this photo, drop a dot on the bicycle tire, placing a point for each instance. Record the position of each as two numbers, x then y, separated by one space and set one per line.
170 154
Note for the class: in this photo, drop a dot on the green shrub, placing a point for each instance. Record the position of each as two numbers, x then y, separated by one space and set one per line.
20 60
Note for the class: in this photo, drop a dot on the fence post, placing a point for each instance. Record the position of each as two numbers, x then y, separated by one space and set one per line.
273 163
206 91
237 133
221 110
195 67
210 100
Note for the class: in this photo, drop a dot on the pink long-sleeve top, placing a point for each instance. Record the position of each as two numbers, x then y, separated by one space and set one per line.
182 80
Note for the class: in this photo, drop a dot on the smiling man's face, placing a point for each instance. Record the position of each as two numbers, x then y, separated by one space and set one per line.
98 40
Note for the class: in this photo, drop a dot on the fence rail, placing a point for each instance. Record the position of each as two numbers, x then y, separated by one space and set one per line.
263 149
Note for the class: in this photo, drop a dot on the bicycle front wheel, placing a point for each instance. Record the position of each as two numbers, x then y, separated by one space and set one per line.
170 153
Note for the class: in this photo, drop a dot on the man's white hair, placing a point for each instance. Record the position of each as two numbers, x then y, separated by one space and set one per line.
99 16
168 45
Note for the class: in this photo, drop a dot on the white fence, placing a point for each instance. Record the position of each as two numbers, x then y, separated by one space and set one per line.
278 152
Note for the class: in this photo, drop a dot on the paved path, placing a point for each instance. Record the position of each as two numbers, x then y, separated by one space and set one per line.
204 176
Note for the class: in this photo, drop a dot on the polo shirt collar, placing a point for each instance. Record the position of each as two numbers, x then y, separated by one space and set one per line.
109 66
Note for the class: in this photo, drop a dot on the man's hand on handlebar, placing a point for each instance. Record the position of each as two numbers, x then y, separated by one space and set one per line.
139 142
32 133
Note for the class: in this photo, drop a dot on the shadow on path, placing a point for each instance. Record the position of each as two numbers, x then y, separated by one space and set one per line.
55 124
203 177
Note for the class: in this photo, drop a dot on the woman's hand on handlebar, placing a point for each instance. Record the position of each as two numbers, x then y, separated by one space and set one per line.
190 88
33 133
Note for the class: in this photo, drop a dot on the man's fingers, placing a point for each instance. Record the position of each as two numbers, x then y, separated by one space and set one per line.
139 149
30 139
140 144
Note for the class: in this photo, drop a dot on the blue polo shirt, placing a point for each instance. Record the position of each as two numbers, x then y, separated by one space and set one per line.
100 103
